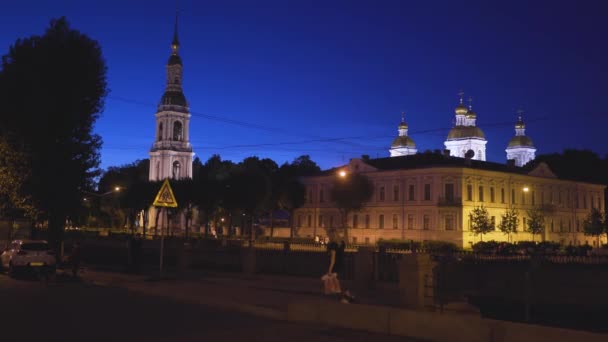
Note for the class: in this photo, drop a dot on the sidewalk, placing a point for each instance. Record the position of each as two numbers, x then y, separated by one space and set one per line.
261 295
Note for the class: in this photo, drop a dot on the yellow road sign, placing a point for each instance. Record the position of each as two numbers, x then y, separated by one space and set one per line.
165 197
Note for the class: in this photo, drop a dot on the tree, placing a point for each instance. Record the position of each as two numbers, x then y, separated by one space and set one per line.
349 193
52 89
480 221
594 225
536 221
509 222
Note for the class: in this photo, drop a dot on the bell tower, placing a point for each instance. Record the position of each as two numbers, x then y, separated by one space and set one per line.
171 154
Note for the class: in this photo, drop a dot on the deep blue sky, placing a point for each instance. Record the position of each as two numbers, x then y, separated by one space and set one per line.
292 72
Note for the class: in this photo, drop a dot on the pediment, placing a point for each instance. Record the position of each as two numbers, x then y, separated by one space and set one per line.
542 170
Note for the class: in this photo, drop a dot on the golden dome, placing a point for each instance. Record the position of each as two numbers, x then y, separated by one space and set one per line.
402 125
403 141
465 132
520 124
471 114
521 140
461 109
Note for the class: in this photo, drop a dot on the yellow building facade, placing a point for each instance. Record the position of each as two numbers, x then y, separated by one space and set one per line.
430 196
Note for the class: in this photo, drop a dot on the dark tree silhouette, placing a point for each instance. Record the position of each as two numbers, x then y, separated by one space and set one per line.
52 89
349 193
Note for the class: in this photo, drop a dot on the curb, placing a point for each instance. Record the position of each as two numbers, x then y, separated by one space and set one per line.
210 302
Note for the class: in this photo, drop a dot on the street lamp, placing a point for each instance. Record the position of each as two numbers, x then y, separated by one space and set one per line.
342 173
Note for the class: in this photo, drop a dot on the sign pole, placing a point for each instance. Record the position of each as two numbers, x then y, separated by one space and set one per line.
164 199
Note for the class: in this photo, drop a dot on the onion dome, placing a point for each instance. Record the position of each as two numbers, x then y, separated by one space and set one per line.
461 109
402 125
403 141
465 132
520 123
471 114
521 141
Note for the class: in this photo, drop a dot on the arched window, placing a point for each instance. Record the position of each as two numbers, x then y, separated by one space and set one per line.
157 171
177 131
160 131
176 169
480 156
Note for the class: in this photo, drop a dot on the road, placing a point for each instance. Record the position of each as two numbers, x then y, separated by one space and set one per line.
67 310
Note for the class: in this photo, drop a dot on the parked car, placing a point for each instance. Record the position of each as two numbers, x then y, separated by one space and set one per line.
28 255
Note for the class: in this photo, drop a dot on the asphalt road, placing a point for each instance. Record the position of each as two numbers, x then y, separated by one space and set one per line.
65 310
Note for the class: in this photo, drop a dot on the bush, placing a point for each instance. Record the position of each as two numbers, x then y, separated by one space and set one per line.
409 245
439 247
495 247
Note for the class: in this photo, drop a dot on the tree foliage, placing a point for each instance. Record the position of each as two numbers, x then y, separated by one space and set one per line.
480 221
594 224
509 222
349 193
52 89
536 221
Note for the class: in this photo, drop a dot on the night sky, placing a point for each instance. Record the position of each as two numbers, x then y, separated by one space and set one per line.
330 78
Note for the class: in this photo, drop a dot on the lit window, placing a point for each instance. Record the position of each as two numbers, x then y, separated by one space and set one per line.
381 221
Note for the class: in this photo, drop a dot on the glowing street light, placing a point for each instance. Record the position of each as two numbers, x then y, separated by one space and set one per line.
342 173
526 189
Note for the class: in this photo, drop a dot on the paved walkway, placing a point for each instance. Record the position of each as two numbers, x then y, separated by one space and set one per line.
262 295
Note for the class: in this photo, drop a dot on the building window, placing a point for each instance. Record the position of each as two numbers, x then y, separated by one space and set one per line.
469 192
576 201
427 192
355 221
426 221
533 197
160 131
381 221
578 225
410 221
321 196
492 198
367 221
395 193
592 202
552 225
502 195
449 222
513 196
395 221
449 192
559 197
176 169
309 196
542 198
493 221
309 221
584 202
481 194
299 220
523 198
412 192
381 193
331 222
177 131
320 220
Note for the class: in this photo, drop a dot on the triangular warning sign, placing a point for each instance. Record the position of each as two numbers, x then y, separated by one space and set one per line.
165 197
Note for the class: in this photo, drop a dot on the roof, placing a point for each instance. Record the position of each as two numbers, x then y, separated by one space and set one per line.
403 141
174 59
464 132
521 140
428 160
171 97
